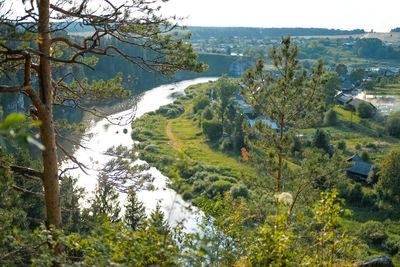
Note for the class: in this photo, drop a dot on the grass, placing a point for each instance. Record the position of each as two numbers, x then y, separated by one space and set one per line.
389 89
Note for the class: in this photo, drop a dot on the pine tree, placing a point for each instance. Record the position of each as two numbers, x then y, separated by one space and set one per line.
288 99
105 200
158 221
134 211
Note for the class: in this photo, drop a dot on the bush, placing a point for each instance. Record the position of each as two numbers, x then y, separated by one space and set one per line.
187 195
207 114
365 156
373 175
341 145
239 191
212 129
226 145
368 200
218 187
393 124
372 232
365 110
200 102
331 118
355 194
200 186
392 245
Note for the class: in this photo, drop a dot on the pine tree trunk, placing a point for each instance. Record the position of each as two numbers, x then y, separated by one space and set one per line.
47 132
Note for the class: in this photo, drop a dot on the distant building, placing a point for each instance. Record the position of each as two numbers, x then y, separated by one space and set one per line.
355 101
360 170
343 99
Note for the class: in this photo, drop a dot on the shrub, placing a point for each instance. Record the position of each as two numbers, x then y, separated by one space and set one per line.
226 145
373 175
393 124
365 110
200 186
372 232
200 102
368 200
207 114
151 148
239 191
331 118
187 195
365 156
355 194
341 145
392 245
212 129
218 187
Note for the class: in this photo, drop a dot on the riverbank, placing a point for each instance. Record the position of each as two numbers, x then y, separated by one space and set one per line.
177 146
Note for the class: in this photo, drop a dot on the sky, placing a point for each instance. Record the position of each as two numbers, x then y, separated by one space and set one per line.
380 16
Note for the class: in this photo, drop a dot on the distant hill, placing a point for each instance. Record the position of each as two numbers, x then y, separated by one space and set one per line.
226 32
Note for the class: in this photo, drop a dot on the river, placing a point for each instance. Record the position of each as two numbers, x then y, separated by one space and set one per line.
103 135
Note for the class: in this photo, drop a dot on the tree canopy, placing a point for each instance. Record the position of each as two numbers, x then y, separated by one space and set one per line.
33 45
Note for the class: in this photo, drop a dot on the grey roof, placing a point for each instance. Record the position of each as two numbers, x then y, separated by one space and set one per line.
360 168
344 99
355 157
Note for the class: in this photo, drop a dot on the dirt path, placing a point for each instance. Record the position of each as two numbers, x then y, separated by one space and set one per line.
173 141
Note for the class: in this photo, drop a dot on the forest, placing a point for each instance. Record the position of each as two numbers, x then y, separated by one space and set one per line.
283 165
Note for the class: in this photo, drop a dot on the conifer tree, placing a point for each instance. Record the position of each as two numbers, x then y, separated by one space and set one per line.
105 200
290 99
134 210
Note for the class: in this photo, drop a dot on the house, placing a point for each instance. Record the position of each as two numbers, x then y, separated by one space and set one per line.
355 101
347 85
360 169
343 98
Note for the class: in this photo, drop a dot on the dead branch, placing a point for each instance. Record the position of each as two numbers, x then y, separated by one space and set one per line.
72 158
26 191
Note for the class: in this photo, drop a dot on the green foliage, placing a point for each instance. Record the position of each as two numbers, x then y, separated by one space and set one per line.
341 145
239 190
225 89
287 99
373 176
372 232
390 174
218 187
171 111
331 118
365 156
212 129
357 75
134 211
321 140
393 124
341 69
16 125
200 102
70 195
365 110
330 88
207 114
105 200
392 245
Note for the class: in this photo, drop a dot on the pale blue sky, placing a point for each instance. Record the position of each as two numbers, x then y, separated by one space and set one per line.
381 16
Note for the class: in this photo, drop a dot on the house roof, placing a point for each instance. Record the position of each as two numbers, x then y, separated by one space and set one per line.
342 98
360 168
355 157
354 103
